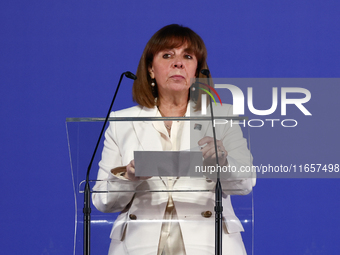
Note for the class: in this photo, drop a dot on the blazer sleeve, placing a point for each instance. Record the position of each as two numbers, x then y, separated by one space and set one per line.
237 179
112 193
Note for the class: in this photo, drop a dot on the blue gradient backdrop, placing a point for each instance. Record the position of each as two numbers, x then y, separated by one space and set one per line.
62 59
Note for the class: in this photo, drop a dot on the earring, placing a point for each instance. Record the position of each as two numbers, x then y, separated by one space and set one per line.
154 90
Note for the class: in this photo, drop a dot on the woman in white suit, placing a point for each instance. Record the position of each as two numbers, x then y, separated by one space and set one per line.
174 223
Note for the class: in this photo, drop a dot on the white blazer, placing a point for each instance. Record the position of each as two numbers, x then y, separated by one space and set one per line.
137 228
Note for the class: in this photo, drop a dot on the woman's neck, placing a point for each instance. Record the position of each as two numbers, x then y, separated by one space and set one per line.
171 108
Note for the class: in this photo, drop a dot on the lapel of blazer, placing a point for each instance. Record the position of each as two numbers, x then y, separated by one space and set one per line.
185 138
146 133
196 130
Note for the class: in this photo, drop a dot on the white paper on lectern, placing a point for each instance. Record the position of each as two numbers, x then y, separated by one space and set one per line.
167 163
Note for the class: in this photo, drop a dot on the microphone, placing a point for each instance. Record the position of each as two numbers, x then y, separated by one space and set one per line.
130 75
205 72
87 192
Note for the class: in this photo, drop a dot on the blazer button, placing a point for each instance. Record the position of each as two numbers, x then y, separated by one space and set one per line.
133 217
206 214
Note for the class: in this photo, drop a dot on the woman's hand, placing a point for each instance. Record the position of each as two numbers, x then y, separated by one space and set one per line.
209 154
130 172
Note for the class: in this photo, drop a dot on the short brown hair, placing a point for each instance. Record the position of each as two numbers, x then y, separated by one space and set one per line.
168 37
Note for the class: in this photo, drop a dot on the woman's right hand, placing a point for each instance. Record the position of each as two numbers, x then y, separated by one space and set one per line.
130 172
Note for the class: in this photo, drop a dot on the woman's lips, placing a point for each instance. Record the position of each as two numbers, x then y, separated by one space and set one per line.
177 76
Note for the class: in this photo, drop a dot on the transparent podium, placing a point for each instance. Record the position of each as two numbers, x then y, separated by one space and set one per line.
174 190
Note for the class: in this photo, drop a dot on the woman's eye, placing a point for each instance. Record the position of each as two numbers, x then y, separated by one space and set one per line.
167 55
188 56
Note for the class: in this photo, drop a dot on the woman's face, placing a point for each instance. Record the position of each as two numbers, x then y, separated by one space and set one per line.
173 69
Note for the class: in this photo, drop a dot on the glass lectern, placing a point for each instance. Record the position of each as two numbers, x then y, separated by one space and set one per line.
192 182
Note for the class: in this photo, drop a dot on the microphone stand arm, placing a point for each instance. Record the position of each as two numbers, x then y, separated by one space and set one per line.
218 188
87 189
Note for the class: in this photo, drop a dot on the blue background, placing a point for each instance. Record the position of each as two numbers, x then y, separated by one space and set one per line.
63 59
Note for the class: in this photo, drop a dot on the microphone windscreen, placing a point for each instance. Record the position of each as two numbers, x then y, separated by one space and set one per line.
205 72
130 75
